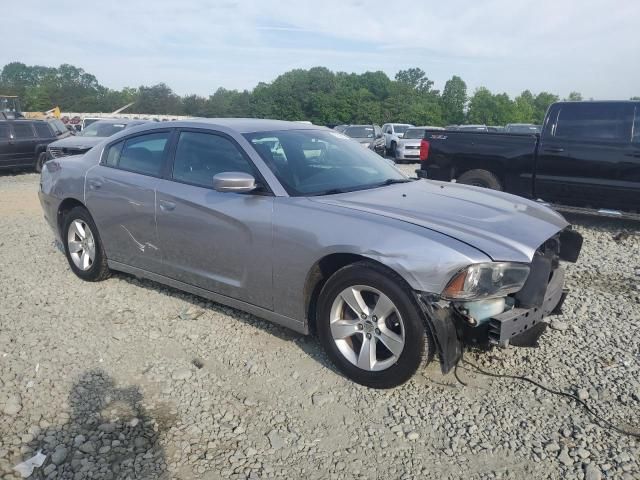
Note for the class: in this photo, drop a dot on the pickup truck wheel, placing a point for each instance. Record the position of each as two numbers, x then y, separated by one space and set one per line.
371 327
40 161
480 178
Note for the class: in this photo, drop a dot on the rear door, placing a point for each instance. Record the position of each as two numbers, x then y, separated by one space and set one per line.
583 153
24 144
121 194
221 242
6 145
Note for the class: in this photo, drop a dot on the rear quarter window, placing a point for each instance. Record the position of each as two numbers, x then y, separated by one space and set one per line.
43 130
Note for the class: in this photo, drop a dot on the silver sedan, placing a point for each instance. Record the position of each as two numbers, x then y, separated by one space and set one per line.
304 227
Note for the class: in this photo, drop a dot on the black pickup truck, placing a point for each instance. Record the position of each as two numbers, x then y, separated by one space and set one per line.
587 156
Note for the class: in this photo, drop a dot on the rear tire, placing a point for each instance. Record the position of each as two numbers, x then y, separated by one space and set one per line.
42 158
83 247
345 332
480 178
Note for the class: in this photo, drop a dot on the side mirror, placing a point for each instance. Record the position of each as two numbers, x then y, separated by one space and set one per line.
238 182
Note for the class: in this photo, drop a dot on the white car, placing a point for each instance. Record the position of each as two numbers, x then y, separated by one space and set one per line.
393 132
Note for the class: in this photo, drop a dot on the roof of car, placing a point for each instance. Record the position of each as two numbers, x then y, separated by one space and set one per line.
242 125
121 120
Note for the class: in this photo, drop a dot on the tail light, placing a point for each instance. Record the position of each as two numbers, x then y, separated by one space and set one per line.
424 150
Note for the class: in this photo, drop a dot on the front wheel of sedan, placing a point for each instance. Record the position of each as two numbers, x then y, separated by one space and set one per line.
371 327
82 246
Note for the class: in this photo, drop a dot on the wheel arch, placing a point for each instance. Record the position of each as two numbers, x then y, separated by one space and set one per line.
65 207
322 270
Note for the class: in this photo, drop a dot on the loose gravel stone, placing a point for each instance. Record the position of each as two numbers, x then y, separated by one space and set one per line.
102 380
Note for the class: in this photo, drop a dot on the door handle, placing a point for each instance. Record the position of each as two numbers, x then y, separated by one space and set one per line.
167 206
95 184
554 149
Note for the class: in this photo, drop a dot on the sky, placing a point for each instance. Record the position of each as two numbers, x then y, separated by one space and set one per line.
197 46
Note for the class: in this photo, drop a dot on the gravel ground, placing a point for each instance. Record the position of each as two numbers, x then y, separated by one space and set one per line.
129 379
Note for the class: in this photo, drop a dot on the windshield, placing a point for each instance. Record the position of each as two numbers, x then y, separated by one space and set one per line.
102 129
414 133
359 132
400 128
317 162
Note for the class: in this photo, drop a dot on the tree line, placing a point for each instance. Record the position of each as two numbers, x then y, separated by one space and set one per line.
317 94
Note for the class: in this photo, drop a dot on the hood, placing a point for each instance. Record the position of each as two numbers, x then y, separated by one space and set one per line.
362 140
503 226
409 141
77 142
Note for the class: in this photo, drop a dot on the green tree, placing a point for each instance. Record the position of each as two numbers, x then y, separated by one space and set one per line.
454 100
574 97
542 103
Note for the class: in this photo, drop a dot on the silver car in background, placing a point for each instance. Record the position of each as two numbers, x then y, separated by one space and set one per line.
408 148
306 228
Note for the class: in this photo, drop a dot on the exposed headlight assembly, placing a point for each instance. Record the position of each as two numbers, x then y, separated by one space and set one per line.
486 280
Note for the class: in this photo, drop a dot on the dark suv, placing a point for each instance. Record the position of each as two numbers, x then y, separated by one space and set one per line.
23 143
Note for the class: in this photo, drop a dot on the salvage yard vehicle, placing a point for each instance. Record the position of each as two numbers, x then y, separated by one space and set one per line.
91 136
393 132
408 147
303 227
23 143
585 160
369 136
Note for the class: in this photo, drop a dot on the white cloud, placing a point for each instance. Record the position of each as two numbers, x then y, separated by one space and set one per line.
197 45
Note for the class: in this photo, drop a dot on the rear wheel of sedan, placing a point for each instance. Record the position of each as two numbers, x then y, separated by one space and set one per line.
83 247
371 326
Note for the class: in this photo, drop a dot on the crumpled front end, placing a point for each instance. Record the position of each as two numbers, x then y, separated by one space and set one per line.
517 319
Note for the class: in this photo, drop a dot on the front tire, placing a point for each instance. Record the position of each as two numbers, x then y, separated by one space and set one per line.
371 326
83 247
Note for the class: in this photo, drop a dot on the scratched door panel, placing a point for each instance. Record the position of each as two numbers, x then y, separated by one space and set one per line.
123 206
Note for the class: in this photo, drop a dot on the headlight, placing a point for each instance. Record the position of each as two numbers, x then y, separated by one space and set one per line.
486 280
366 145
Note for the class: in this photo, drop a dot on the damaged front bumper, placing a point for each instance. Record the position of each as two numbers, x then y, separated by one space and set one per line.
521 325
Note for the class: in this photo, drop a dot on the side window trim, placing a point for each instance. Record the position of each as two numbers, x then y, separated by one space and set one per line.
174 147
125 139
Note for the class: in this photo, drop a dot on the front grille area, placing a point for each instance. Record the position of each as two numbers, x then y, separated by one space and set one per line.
412 147
57 152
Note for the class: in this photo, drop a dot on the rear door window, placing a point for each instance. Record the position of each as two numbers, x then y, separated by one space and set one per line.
595 121
144 154
23 130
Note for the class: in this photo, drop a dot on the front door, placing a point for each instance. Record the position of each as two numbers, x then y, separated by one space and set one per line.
221 242
120 194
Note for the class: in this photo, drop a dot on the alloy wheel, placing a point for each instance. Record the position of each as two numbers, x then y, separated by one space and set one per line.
81 244
367 328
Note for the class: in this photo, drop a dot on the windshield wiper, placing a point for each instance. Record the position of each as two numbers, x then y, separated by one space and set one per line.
331 191
392 181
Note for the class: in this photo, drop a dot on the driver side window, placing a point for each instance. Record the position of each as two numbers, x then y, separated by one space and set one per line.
201 156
